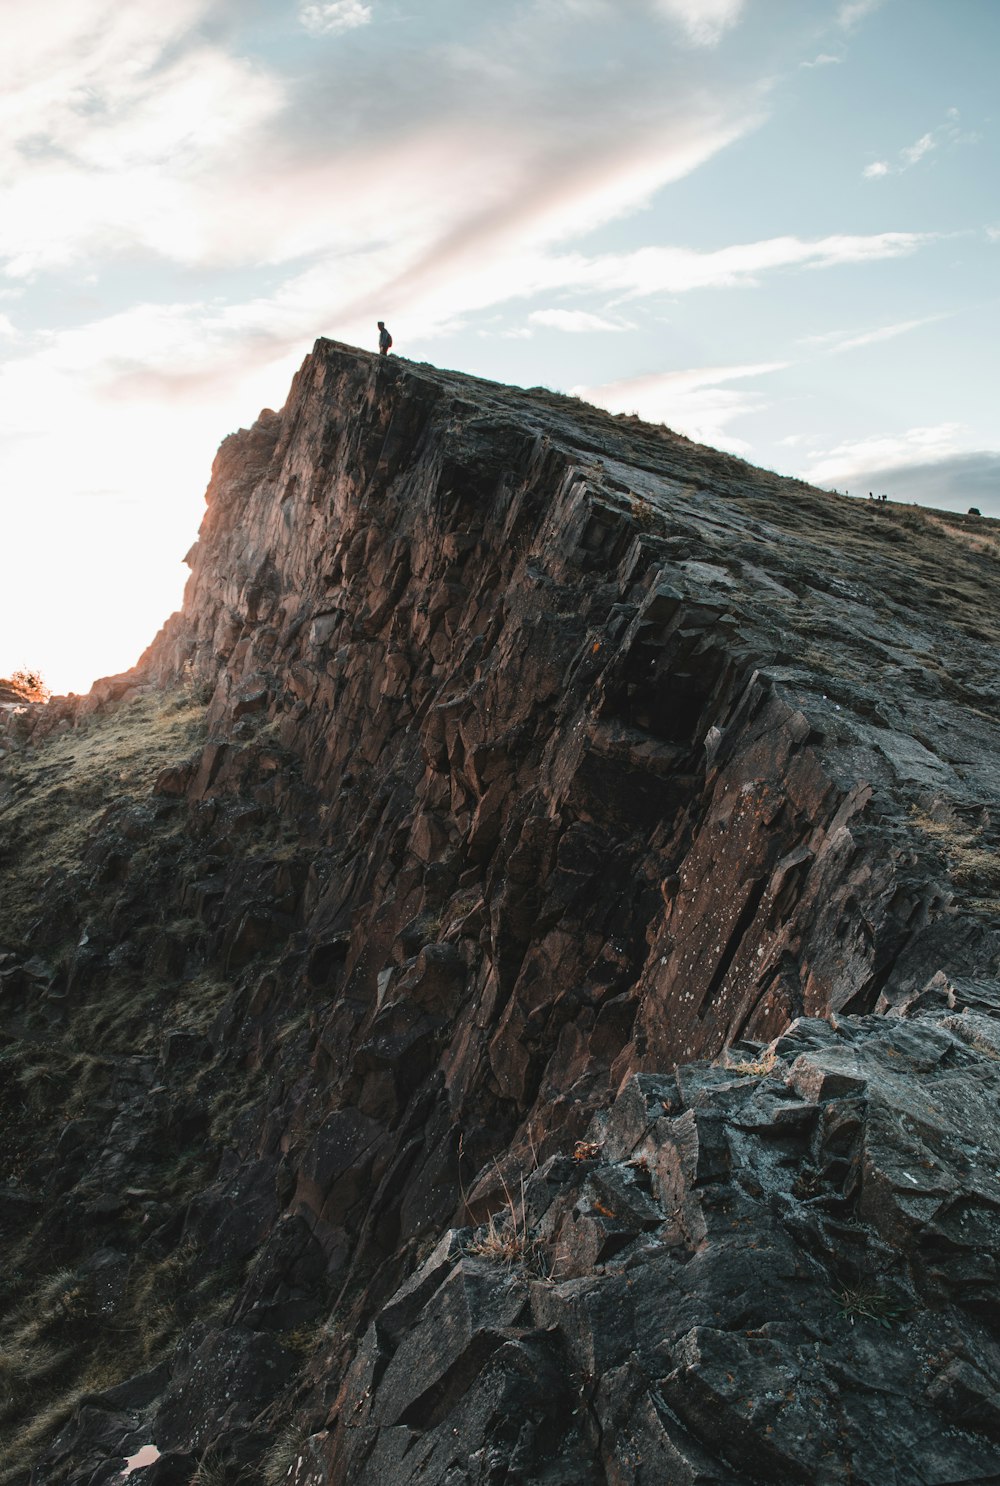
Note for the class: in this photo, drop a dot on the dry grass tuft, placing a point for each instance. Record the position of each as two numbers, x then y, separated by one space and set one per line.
25 685
505 1237
284 1455
977 540
972 862
213 1470
501 1239
752 1067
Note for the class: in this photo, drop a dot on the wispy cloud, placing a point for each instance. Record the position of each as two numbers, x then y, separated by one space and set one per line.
914 152
695 402
847 460
678 270
825 59
113 126
703 21
326 19
949 133
129 138
853 11
576 321
837 341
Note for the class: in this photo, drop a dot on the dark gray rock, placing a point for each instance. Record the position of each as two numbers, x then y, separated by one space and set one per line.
546 757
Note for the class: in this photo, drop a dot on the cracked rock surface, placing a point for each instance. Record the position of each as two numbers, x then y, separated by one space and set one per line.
506 990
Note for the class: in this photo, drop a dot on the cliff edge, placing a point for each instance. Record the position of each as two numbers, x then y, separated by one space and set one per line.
507 989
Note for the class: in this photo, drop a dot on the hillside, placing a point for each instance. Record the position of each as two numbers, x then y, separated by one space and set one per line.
506 991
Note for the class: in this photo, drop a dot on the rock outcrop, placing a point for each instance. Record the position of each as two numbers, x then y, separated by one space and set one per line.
543 1025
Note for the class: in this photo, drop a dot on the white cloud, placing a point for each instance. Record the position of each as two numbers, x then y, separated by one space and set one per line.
703 21
326 19
878 451
853 11
837 341
163 145
915 152
575 321
114 130
993 233
679 270
926 465
825 59
948 133
139 138
694 402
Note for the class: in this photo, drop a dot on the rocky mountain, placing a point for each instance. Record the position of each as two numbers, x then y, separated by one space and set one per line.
506 991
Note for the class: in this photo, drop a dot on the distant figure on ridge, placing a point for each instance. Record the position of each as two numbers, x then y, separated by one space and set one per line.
384 339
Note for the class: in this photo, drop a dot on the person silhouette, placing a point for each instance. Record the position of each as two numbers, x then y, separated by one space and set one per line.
384 339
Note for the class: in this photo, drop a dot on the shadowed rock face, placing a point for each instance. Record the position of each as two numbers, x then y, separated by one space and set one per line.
548 755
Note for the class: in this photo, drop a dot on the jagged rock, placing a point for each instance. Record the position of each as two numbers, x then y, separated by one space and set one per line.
544 764
761 1314
220 1382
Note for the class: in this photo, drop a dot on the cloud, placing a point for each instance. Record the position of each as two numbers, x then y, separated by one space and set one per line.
914 152
948 481
848 460
993 233
575 321
114 129
948 133
165 144
203 210
326 19
672 270
853 11
825 59
837 341
703 21
695 402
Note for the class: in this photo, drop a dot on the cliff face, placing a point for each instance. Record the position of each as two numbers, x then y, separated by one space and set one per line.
546 755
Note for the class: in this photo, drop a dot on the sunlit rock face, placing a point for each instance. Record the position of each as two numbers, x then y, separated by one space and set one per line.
548 756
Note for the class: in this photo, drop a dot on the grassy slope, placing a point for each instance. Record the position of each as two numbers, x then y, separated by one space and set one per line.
52 798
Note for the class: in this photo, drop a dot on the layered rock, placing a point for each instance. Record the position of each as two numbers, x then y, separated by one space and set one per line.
770 1270
547 753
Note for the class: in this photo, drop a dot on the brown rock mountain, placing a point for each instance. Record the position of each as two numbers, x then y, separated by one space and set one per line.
506 991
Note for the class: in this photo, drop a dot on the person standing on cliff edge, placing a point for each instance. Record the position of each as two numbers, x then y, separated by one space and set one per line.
384 339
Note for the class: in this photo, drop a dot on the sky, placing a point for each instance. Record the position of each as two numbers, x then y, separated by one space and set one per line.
773 225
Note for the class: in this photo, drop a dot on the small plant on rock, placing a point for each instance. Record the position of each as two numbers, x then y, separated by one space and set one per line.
28 684
284 1455
213 1470
869 1302
753 1067
504 1238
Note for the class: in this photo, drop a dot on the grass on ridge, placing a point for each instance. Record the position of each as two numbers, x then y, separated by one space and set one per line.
52 796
